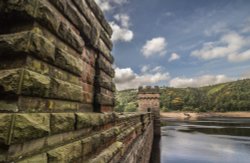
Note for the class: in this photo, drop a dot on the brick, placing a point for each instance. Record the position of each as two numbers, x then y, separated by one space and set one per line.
62 122
30 126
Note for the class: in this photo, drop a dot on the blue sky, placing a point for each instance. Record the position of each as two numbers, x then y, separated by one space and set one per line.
179 43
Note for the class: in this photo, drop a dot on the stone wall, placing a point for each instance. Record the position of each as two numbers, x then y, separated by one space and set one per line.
55 72
75 137
56 53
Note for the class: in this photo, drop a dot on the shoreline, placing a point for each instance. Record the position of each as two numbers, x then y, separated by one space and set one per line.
194 116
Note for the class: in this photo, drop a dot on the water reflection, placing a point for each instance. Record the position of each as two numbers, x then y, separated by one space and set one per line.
210 140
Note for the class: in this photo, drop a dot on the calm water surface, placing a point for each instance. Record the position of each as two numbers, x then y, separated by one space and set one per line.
210 140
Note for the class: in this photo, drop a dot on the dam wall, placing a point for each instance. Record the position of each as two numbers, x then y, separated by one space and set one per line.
57 90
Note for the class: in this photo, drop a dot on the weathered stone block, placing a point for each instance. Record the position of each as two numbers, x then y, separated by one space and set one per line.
41 158
83 120
65 76
45 13
8 106
105 51
97 142
66 153
9 81
5 128
41 46
30 126
69 62
59 105
35 84
64 90
99 14
31 104
70 10
105 100
108 154
62 122
37 66
26 148
31 42
98 30
87 146
106 66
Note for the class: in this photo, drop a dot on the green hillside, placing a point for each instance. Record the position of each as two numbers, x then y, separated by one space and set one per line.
232 96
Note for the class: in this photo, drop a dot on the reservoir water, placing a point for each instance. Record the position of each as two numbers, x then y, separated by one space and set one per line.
208 140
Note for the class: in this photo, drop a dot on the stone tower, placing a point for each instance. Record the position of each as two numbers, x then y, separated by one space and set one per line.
149 101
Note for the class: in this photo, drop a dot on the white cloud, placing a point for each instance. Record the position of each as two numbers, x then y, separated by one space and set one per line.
155 46
124 19
127 79
107 5
120 33
205 80
124 75
232 46
145 68
174 57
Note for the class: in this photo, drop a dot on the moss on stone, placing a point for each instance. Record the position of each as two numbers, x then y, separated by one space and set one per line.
62 122
30 126
66 153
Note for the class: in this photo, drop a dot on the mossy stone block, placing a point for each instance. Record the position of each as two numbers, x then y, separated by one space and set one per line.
66 153
9 81
83 120
9 106
62 122
65 90
35 84
30 126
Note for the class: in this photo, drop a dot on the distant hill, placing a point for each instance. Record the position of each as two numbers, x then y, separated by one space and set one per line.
231 96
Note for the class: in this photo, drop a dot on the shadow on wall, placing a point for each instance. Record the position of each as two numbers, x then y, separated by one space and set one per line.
156 150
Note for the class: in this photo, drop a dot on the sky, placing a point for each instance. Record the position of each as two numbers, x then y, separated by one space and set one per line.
179 43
